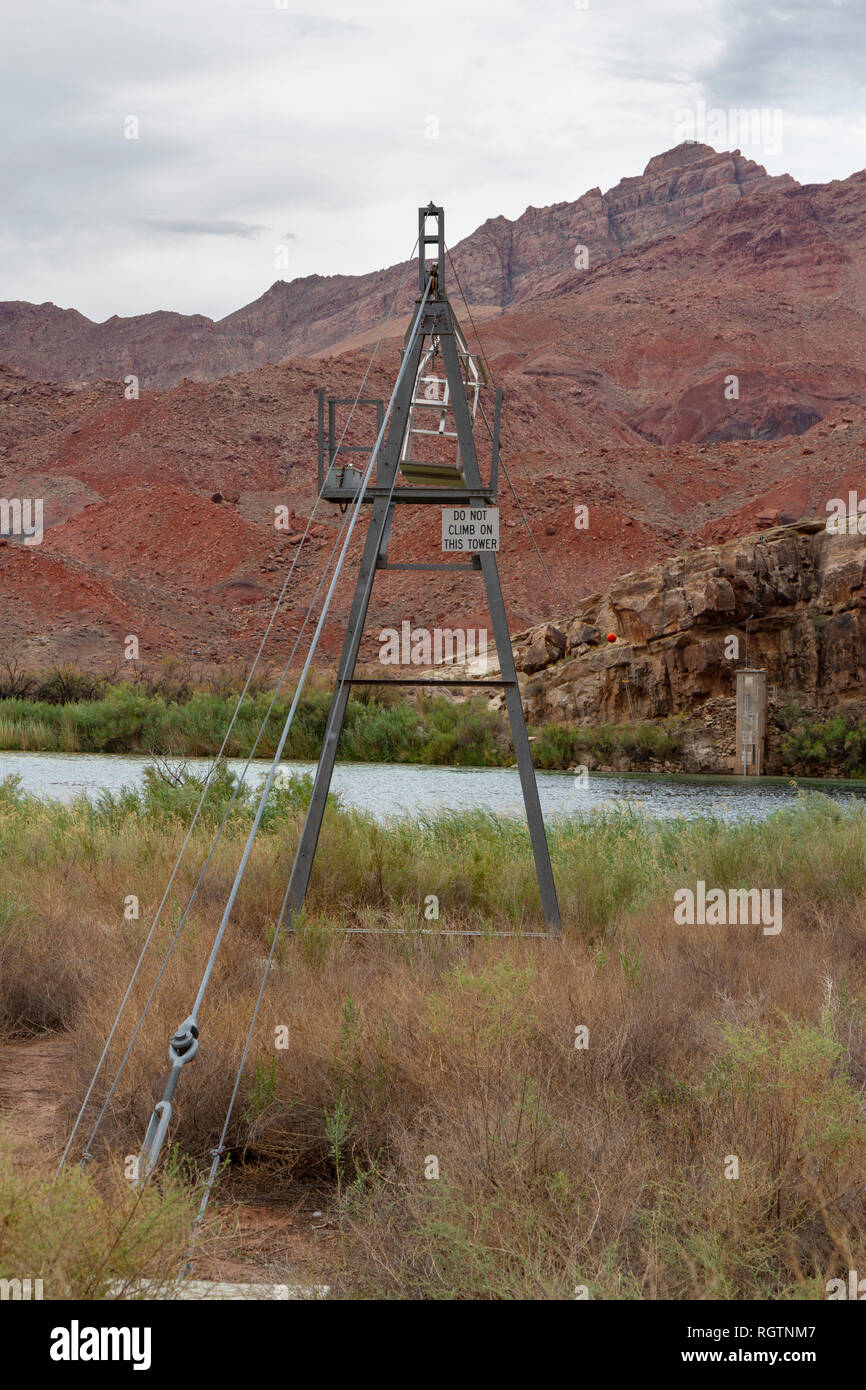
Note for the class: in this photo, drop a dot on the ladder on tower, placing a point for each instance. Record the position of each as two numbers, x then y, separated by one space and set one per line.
432 392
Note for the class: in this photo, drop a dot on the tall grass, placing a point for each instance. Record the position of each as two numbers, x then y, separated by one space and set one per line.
379 727
126 720
560 1167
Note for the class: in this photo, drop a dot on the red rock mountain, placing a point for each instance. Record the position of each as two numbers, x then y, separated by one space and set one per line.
500 264
617 388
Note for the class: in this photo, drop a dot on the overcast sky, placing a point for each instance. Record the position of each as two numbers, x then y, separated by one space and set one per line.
277 139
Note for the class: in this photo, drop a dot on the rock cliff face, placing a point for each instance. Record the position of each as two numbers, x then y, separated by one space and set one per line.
506 262
791 601
500 263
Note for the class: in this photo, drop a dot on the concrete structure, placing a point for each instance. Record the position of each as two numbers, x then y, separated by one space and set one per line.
751 722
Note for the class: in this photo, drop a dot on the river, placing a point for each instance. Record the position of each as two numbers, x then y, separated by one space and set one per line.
393 789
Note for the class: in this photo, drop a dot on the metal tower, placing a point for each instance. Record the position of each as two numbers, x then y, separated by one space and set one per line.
436 409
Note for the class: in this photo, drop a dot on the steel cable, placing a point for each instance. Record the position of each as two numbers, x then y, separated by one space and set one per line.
220 1149
216 762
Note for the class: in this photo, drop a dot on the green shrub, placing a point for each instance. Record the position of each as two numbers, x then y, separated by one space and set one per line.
821 744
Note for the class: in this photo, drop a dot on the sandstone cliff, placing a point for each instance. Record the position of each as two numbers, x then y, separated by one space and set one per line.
794 598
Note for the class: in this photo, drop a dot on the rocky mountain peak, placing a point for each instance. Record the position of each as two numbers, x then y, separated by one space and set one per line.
500 264
688 152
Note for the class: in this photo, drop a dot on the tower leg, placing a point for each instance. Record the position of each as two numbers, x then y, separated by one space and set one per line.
302 867
520 739
538 835
376 542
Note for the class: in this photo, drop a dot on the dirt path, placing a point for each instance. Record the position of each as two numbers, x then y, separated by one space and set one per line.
275 1244
30 1094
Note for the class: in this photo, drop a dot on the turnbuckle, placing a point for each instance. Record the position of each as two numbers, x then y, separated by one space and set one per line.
184 1043
182 1048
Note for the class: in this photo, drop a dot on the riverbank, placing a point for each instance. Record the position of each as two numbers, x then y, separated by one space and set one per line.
379 727
581 1100
382 726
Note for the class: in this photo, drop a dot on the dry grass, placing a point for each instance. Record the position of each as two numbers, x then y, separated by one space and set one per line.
94 1239
559 1167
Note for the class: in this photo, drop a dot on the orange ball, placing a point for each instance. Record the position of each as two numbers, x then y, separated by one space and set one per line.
611 637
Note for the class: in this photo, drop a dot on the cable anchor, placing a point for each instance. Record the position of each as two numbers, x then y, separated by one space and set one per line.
182 1048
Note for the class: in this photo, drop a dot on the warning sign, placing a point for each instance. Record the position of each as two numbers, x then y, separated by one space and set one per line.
470 528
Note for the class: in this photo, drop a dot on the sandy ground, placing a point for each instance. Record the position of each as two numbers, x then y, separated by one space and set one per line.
30 1093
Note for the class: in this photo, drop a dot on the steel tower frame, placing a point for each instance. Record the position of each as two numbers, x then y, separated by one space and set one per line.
436 320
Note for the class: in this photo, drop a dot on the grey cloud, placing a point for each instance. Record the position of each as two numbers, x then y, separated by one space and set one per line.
319 26
797 54
201 227
255 118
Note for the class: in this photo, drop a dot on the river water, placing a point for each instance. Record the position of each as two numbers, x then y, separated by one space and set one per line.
394 789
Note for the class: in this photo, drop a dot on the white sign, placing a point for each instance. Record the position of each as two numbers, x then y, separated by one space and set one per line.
470 528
